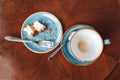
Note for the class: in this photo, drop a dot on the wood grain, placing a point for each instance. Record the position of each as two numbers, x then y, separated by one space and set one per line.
104 15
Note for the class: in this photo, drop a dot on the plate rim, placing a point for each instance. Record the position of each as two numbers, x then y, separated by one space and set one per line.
40 13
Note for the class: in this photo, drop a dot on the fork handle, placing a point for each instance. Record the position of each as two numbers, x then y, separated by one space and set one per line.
15 39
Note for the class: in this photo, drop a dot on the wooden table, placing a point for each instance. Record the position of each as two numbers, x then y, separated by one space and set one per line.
22 64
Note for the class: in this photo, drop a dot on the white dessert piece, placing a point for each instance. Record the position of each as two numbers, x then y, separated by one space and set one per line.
30 30
38 26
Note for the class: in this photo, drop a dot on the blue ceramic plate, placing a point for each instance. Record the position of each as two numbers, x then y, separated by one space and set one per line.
51 22
66 49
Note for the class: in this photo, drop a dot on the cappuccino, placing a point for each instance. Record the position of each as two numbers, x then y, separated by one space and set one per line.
82 46
86 45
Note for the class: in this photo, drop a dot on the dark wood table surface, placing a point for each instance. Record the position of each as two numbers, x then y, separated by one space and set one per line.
18 63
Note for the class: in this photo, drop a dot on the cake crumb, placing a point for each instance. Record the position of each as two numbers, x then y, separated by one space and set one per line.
48 30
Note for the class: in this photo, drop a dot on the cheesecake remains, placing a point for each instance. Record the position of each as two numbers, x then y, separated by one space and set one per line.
37 27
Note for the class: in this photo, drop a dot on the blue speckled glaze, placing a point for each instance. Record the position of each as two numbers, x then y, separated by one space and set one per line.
66 49
50 21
